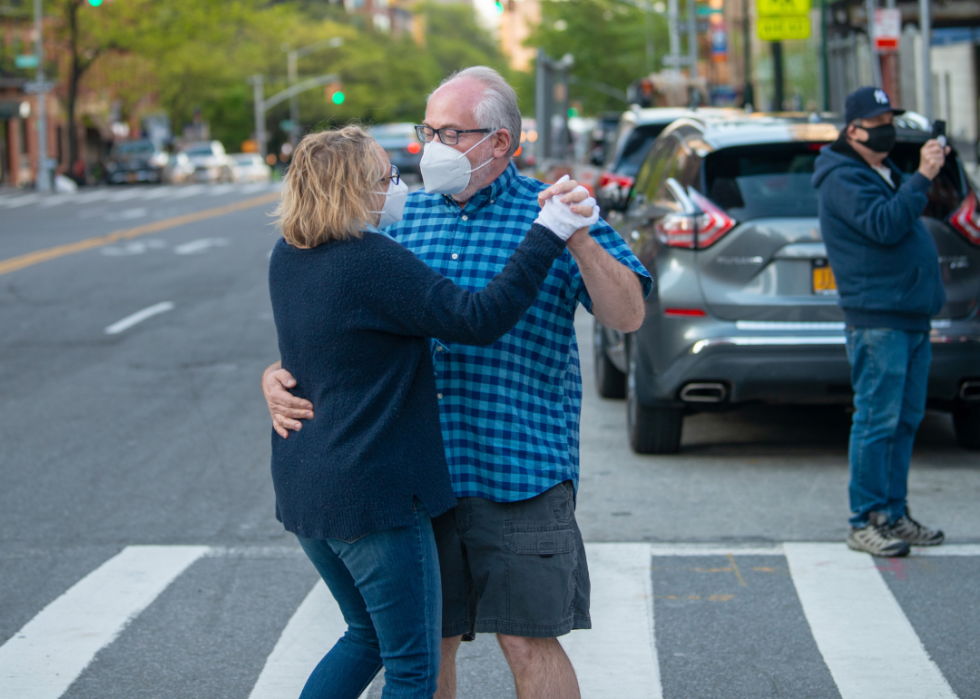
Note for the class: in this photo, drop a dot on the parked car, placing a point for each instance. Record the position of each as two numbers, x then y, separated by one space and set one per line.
179 169
211 163
525 155
135 161
628 146
603 137
249 167
724 216
401 144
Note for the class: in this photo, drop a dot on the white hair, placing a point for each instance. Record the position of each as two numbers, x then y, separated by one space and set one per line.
498 108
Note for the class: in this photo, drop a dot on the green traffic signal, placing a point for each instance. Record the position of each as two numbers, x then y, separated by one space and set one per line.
498 7
94 3
572 112
338 97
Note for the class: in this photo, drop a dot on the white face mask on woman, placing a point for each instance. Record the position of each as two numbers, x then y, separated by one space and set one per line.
394 204
445 170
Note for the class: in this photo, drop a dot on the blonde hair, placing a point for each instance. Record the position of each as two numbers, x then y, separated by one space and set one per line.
327 192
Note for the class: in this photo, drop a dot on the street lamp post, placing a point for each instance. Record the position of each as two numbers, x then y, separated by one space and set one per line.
292 56
43 175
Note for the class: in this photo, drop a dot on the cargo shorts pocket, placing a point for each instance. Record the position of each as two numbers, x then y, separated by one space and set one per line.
540 542
541 575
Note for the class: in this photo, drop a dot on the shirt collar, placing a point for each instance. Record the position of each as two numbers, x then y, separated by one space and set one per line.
492 191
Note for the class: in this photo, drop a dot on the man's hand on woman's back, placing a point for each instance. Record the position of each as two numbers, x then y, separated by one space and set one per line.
286 409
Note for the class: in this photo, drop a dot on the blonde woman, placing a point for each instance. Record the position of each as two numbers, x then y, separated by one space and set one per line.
359 483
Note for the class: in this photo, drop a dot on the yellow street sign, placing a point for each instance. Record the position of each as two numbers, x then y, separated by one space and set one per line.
783 28
782 8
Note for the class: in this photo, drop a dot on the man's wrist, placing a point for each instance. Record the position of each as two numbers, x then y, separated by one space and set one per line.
580 242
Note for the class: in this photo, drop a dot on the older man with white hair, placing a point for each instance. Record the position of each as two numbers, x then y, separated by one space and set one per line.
511 553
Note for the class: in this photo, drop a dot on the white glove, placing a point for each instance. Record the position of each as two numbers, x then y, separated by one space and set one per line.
559 218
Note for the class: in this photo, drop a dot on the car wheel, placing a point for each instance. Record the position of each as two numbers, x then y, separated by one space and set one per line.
966 422
610 382
651 430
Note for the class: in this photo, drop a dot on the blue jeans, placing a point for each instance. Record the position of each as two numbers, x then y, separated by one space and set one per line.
388 587
890 376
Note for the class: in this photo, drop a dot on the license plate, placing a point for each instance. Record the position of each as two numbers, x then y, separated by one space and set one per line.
824 283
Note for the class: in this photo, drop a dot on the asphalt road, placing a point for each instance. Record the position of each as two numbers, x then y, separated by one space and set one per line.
139 554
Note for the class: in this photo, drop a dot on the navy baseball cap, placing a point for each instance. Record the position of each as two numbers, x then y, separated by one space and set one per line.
867 103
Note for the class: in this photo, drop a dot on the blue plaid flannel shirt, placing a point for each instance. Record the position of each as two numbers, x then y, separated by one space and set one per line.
510 411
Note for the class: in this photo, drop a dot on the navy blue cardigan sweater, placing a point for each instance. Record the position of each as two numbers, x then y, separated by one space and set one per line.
353 319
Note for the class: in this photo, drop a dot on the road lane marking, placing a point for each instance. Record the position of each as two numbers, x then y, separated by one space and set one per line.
126 195
313 629
619 651
189 191
198 246
138 317
43 659
20 262
866 641
22 200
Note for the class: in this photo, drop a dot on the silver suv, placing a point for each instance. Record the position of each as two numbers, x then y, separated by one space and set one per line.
744 309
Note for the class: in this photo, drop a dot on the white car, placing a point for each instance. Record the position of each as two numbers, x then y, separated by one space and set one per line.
211 163
249 167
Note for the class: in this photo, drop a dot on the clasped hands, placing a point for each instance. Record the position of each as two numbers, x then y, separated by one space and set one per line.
567 208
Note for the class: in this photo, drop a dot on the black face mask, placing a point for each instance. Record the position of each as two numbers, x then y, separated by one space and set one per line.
881 139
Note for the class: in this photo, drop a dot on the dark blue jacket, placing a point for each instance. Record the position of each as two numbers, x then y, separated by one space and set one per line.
885 260
353 318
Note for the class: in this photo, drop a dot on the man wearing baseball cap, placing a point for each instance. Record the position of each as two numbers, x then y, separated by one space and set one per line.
887 270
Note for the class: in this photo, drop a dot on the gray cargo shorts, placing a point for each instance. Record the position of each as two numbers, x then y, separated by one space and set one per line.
516 568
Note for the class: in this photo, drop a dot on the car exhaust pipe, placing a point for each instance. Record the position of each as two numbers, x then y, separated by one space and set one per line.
970 390
705 393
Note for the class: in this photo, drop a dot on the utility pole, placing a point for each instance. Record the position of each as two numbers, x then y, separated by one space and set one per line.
925 29
675 41
748 94
258 95
43 172
824 57
875 62
292 57
692 38
777 76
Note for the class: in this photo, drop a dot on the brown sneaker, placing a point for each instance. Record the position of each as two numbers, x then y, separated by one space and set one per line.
876 538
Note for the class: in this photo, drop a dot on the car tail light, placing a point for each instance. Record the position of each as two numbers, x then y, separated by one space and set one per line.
966 219
676 230
624 182
713 223
413 147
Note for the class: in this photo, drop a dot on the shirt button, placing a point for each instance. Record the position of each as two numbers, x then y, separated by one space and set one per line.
455 256
439 396
438 349
492 201
465 218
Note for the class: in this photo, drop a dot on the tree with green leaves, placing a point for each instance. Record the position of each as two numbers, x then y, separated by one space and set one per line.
609 42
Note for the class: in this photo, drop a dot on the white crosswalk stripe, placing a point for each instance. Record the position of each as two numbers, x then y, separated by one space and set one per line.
847 603
843 595
45 656
113 195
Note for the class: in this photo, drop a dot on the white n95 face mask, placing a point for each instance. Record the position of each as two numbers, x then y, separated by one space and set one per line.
394 204
445 170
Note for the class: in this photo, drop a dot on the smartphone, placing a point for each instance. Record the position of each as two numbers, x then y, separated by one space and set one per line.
939 131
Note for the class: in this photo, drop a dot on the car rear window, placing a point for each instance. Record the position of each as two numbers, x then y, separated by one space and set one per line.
133 148
765 180
638 144
771 180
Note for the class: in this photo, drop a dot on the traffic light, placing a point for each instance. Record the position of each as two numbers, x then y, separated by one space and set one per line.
498 7
94 3
335 93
